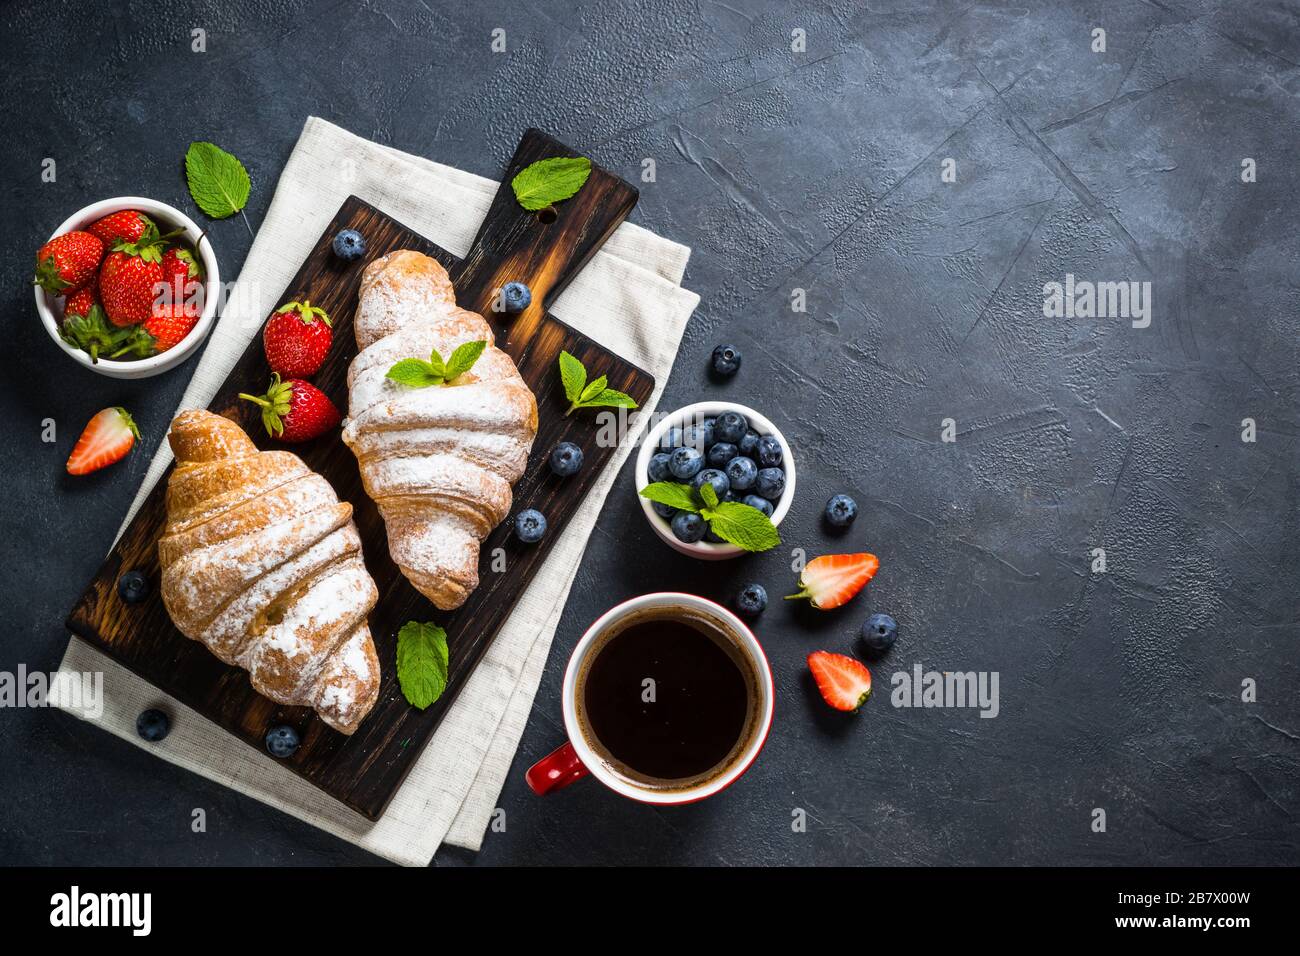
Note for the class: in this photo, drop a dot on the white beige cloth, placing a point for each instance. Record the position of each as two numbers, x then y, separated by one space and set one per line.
628 297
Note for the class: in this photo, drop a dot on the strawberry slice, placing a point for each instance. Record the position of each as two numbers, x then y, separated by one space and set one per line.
834 579
107 439
844 682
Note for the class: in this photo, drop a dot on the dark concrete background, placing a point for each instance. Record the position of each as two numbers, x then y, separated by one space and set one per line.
818 170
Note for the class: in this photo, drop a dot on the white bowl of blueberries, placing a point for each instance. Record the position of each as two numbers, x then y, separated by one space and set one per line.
734 448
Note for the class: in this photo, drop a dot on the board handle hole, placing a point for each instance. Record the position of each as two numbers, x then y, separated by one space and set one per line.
547 216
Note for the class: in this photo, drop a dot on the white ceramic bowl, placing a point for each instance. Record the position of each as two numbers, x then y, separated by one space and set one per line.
705 549
167 218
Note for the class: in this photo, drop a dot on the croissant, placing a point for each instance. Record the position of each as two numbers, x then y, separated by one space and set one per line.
261 562
438 461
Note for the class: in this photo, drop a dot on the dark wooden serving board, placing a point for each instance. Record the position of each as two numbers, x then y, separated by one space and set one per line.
544 250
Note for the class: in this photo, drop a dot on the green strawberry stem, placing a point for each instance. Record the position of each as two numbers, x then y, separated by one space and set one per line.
805 593
275 405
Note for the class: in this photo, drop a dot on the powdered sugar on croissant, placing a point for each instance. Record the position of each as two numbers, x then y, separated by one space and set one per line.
438 461
261 562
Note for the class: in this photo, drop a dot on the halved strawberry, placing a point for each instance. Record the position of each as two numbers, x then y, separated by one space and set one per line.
107 438
834 579
844 682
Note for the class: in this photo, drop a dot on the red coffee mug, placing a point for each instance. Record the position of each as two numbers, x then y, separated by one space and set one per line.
576 758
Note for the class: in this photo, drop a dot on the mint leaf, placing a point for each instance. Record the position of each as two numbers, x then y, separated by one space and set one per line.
550 180
573 374
218 181
612 398
743 526
672 494
709 494
422 657
592 390
463 359
417 373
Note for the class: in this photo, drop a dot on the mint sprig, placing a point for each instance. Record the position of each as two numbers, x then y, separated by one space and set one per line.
422 657
584 394
548 181
732 521
418 373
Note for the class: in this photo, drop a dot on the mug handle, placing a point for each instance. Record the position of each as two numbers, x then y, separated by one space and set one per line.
556 770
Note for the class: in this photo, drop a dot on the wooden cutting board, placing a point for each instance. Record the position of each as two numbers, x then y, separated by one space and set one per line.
545 250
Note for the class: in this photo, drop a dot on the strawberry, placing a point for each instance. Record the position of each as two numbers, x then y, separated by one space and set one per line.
178 305
168 325
179 265
125 225
68 262
83 300
833 579
295 342
844 682
107 438
129 277
294 410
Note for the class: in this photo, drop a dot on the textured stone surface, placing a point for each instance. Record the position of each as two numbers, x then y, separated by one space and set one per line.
818 170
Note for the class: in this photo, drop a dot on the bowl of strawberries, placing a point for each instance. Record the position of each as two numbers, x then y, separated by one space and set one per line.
127 287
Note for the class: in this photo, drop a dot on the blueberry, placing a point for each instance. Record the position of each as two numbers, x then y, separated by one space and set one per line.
350 245
742 473
878 632
530 525
663 510
726 360
688 527
686 463
841 510
770 483
749 444
712 538
731 426
762 504
281 741
731 495
152 725
752 599
721 453
566 459
515 297
132 587
769 451
714 477
699 435
658 467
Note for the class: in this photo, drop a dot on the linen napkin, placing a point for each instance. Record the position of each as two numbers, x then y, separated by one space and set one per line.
628 297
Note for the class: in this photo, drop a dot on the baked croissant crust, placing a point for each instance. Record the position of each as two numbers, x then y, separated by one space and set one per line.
438 461
261 562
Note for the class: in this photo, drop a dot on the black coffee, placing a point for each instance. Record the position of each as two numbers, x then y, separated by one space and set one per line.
668 701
